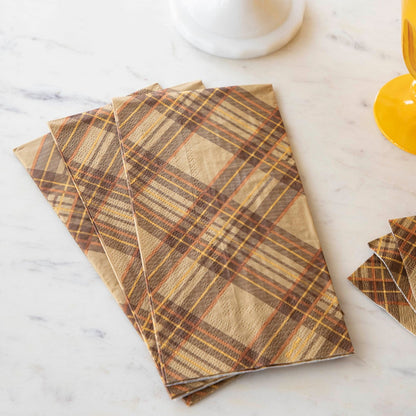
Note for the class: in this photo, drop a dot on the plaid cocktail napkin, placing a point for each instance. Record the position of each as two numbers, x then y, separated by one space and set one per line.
235 273
44 163
388 277
46 166
188 203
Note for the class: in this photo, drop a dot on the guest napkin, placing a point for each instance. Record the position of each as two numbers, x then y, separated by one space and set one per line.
404 230
89 146
388 276
231 258
44 163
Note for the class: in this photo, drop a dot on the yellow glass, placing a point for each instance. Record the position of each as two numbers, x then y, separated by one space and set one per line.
395 105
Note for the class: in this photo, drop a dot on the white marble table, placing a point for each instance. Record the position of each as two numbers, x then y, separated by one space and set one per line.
65 347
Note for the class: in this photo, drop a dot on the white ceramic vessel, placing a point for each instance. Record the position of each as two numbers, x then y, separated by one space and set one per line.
238 28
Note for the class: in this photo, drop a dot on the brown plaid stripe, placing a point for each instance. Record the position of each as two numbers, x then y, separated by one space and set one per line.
373 279
386 249
90 147
404 231
233 264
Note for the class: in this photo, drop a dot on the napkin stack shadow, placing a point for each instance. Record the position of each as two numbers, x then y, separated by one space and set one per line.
388 277
188 203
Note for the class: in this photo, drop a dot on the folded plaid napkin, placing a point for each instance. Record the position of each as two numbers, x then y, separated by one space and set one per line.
232 262
404 230
388 276
45 165
89 146
387 250
374 280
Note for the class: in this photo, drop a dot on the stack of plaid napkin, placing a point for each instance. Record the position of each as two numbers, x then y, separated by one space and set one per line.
188 203
388 277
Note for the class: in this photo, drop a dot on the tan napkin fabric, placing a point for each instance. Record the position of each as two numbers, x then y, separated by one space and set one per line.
387 250
188 203
404 230
233 265
374 280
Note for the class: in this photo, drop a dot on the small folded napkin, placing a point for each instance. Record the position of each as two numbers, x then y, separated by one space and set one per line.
388 252
236 276
388 276
404 230
374 280
46 166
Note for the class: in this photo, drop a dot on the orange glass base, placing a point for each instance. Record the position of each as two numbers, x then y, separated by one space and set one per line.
395 112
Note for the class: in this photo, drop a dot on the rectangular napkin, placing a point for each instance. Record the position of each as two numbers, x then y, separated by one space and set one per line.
90 148
231 258
45 165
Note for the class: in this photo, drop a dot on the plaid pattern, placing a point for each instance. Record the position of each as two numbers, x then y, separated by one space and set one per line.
386 249
404 230
236 276
89 145
374 280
